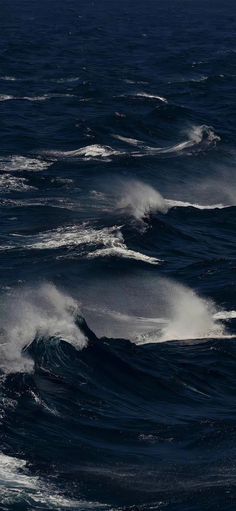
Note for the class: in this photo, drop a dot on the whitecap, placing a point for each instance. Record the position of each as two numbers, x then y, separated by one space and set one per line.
88 152
29 313
123 252
140 200
182 204
151 96
9 183
17 162
106 242
200 138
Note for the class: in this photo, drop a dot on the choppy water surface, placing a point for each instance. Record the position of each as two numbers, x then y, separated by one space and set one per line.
117 252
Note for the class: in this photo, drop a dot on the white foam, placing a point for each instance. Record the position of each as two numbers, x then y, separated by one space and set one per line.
151 96
43 97
88 152
199 136
17 162
203 136
74 236
31 312
18 486
182 204
225 315
92 242
9 183
123 252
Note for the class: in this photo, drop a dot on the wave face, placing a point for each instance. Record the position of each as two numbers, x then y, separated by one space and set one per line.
117 256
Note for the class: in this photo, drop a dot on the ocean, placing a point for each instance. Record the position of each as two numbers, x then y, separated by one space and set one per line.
117 255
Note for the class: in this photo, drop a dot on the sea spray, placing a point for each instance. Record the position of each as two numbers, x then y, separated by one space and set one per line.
31 312
199 139
140 199
150 308
189 315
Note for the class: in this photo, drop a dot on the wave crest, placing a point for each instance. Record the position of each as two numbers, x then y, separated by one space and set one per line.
30 313
200 138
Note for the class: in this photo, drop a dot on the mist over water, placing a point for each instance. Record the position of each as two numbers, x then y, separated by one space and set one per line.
44 312
117 256
190 317
140 200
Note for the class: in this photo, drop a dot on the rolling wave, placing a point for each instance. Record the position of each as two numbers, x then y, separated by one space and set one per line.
92 243
200 138
44 312
178 313
33 313
137 199
117 252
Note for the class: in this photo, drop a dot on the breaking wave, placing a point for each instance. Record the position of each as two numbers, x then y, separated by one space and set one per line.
29 313
190 316
200 138
141 200
106 242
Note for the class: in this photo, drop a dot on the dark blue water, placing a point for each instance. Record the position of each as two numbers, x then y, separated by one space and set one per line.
117 252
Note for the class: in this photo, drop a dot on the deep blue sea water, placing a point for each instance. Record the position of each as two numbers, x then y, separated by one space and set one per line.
117 255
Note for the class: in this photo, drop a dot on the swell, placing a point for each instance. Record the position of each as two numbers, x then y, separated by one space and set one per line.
100 399
91 402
